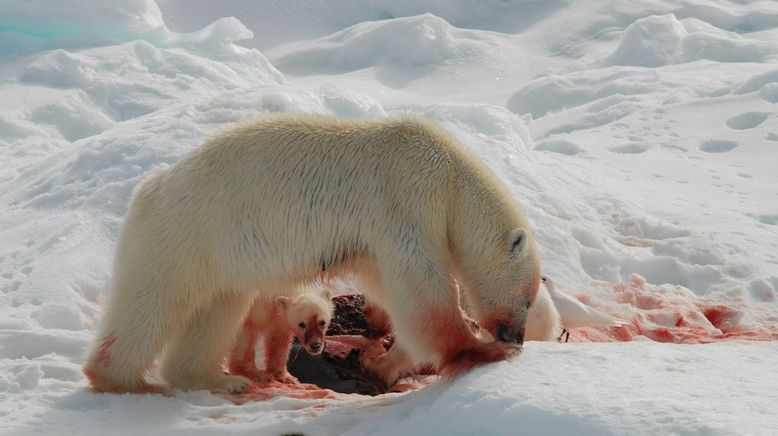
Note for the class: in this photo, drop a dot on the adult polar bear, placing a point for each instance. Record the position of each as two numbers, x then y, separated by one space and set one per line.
267 205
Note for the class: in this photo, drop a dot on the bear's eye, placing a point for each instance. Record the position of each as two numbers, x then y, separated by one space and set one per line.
302 325
321 323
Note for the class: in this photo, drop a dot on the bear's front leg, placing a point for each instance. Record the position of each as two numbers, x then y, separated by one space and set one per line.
194 360
457 347
389 366
460 349
430 326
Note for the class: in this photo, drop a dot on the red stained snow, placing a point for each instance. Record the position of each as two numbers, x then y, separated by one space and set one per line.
272 389
303 391
671 314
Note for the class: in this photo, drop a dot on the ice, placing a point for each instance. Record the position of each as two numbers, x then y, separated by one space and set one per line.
639 137
28 26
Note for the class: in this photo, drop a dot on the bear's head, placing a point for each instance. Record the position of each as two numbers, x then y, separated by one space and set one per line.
500 293
308 317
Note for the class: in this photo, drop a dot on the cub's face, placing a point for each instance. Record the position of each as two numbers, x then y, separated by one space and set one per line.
308 317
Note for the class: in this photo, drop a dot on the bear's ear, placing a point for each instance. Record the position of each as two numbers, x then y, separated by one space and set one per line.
518 242
283 302
327 295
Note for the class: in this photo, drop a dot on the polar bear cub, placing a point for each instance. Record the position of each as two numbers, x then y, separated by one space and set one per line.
305 317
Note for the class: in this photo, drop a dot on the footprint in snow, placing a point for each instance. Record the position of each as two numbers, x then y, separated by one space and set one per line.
717 145
633 148
747 120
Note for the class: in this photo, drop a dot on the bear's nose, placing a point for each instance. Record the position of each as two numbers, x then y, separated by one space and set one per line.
504 334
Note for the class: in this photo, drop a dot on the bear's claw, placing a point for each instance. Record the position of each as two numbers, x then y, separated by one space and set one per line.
233 384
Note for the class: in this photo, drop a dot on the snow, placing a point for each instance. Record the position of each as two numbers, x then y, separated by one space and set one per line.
639 137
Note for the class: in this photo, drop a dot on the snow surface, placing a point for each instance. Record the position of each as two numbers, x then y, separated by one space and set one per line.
639 136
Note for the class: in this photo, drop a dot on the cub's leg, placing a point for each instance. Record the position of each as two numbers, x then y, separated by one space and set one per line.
242 358
277 343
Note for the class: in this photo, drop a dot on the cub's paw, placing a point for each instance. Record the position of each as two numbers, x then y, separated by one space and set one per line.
286 378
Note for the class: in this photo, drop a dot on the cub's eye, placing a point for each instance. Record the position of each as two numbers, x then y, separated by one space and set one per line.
302 325
529 303
321 323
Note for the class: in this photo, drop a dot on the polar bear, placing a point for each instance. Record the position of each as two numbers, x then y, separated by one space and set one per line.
306 317
268 205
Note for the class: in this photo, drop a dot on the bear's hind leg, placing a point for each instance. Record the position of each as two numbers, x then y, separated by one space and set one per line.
194 359
132 333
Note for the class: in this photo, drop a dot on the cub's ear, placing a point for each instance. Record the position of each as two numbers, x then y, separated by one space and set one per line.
282 302
518 242
327 295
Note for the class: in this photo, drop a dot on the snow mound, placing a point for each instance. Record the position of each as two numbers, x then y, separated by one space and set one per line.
276 22
405 43
650 42
493 15
663 40
137 78
555 92
73 95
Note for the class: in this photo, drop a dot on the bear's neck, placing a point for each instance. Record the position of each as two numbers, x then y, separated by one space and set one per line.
483 215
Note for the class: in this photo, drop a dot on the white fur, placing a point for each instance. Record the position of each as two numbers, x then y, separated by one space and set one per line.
275 203
308 305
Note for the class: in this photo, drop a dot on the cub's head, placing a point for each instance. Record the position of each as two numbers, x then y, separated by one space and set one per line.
500 297
308 316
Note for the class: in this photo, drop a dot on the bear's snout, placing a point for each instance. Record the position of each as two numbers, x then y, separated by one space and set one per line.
505 334
315 347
